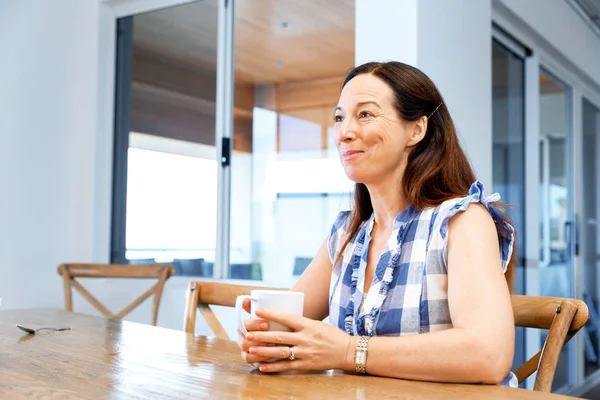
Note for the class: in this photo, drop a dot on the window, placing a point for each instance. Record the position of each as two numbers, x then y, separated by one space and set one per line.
165 202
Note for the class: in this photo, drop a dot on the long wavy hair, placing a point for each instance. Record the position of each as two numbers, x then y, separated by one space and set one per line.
437 169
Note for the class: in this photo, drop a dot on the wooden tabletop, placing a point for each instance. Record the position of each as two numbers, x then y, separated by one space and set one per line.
104 359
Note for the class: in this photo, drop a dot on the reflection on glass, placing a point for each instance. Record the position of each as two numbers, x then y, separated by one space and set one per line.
555 186
172 169
508 97
287 183
590 234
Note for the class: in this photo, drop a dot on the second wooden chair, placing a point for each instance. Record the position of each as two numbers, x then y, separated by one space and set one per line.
158 271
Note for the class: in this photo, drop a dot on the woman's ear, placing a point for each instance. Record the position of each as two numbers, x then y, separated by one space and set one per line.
419 129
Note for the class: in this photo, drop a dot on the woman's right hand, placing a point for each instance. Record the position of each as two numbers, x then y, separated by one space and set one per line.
251 325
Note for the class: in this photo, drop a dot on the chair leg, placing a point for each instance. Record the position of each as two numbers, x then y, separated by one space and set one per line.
67 288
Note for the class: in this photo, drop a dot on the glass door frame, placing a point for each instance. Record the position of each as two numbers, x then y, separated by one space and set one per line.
224 132
110 13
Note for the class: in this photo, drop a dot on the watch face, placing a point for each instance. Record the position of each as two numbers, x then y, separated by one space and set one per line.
360 357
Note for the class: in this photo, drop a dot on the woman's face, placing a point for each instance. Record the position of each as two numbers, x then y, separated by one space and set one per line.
371 138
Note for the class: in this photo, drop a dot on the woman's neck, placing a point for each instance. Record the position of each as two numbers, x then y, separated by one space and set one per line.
387 200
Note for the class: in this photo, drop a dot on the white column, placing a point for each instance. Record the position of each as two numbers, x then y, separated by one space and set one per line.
451 42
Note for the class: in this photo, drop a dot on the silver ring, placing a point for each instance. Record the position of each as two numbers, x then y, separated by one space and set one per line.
291 357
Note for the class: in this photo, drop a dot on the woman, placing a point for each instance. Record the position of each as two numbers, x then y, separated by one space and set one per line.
416 279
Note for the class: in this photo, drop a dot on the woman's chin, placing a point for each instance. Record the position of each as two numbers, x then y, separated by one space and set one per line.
355 176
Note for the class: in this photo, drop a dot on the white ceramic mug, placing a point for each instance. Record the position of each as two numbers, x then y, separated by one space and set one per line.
289 302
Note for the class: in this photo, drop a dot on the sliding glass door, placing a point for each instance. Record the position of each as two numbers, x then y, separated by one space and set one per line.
165 197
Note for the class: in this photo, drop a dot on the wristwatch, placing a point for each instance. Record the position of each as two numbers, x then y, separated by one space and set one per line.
360 355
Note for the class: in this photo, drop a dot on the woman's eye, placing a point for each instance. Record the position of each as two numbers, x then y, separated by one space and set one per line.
337 118
365 114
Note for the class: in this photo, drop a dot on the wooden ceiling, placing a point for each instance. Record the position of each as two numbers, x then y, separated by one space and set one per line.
276 41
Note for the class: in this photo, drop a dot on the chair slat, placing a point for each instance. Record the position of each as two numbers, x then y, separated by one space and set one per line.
116 270
137 302
220 294
93 301
213 322
538 311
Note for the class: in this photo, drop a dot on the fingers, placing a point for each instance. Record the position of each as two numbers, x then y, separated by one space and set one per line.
292 321
246 305
281 366
256 325
272 352
276 337
245 345
252 358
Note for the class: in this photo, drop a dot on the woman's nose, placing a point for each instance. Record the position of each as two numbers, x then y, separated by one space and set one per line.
346 131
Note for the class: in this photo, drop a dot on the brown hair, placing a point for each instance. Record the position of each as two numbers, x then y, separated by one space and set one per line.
437 168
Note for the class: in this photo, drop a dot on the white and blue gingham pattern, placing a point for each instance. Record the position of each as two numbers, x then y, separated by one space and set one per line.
409 292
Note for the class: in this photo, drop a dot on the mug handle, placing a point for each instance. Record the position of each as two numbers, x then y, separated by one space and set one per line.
238 310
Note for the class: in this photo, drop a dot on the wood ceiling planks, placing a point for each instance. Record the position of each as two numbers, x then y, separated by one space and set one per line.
276 40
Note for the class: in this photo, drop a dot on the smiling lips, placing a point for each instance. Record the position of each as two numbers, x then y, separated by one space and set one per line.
350 154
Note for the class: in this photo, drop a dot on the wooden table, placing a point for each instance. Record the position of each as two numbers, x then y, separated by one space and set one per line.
104 359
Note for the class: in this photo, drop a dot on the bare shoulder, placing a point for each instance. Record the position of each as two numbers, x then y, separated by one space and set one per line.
476 219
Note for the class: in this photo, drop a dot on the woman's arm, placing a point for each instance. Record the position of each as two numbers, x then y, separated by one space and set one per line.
314 282
480 346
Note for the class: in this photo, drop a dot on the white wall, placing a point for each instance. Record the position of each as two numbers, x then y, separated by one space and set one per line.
48 126
451 42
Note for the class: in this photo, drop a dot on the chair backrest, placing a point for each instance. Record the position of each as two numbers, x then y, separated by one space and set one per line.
201 295
562 317
69 272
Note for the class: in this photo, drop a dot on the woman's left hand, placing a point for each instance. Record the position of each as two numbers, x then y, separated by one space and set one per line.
317 345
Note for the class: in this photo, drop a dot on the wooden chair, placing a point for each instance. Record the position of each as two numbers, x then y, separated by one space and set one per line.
562 317
201 295
161 272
